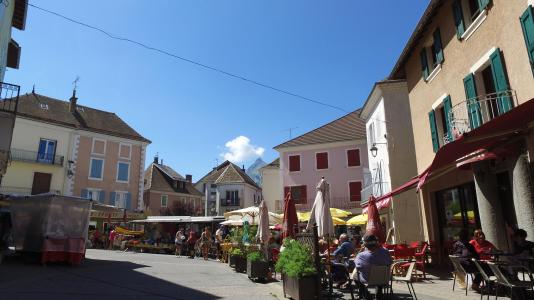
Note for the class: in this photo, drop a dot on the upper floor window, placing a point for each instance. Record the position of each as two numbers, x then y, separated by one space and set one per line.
321 160
468 15
123 200
125 151
232 198
353 158
97 195
298 193
431 56
99 146
294 163
440 123
527 23
46 151
96 168
371 133
164 199
355 189
123 171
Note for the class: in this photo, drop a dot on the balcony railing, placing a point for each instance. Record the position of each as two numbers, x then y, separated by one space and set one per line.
21 191
230 202
376 189
9 97
36 157
472 113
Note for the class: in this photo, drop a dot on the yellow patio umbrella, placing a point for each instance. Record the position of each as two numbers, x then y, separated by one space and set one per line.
470 215
303 216
339 213
338 221
358 220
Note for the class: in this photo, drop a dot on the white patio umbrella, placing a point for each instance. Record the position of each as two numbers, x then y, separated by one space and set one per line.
320 212
251 214
263 224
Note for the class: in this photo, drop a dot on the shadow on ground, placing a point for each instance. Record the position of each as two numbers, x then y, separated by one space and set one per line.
94 279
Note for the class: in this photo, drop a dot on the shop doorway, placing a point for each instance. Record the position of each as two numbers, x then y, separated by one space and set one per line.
457 209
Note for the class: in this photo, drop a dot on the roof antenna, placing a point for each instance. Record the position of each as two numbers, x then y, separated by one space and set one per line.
290 131
75 85
33 89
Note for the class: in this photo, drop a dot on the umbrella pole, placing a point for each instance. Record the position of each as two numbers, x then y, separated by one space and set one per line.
330 283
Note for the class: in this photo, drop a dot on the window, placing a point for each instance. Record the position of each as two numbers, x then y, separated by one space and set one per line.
99 147
232 198
123 171
435 50
125 151
440 124
468 15
294 163
164 199
43 106
213 186
47 151
353 158
298 193
123 200
355 189
527 23
96 168
97 195
321 160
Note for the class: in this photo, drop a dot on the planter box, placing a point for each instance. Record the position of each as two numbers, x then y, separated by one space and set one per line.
257 269
240 264
300 288
231 260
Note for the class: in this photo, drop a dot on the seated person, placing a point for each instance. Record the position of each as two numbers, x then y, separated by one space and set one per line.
373 255
521 246
344 250
466 251
482 246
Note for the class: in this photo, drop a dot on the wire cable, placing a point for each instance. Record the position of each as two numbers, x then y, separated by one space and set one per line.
164 52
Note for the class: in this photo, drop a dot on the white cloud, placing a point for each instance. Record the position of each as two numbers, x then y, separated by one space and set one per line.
240 150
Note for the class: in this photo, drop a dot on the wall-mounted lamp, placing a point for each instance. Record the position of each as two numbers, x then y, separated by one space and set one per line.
70 173
374 149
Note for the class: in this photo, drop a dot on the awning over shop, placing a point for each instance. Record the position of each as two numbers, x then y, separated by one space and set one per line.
485 142
179 219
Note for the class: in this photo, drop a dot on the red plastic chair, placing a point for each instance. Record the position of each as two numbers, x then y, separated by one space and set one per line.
415 245
420 260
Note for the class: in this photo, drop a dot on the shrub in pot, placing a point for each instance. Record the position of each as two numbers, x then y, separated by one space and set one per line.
298 270
240 260
232 256
257 266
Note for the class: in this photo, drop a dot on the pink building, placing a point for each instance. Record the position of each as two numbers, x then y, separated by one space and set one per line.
336 151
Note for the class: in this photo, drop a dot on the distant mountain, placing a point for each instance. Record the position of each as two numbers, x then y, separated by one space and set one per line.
254 170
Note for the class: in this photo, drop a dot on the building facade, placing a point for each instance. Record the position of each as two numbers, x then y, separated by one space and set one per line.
169 193
335 151
69 149
271 186
12 15
226 188
469 68
391 154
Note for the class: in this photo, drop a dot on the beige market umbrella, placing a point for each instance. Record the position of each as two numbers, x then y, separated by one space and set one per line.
263 224
320 212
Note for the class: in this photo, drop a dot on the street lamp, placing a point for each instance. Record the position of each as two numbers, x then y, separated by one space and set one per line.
374 149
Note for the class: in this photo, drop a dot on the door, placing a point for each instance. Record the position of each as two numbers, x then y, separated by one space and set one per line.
41 183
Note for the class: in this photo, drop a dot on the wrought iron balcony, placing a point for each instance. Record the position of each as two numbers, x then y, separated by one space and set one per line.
21 191
472 113
9 97
36 157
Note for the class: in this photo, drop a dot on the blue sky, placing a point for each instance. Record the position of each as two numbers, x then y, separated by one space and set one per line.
332 51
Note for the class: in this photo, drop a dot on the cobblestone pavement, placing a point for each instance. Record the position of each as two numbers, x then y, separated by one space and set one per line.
125 275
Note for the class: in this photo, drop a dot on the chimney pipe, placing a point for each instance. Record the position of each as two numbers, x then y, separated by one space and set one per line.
243 168
73 102
189 178
156 159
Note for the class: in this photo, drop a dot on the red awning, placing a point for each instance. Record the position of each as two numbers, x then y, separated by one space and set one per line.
476 145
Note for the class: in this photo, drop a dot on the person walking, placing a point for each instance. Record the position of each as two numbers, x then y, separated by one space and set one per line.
178 242
191 241
205 242
112 235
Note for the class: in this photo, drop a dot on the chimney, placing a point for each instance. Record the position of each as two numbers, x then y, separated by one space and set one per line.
73 102
189 178
161 163
243 168
156 159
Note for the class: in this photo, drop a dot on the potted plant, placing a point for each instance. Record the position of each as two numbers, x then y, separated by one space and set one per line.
239 259
257 265
298 270
231 257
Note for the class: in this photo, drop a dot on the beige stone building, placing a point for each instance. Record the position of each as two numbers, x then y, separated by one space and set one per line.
469 72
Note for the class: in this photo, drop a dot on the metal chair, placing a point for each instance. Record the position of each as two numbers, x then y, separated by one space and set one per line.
502 280
459 269
486 279
407 278
379 278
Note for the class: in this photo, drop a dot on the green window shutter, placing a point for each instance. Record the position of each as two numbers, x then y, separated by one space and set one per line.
433 130
437 46
447 107
473 107
424 64
499 80
483 4
458 18
527 23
